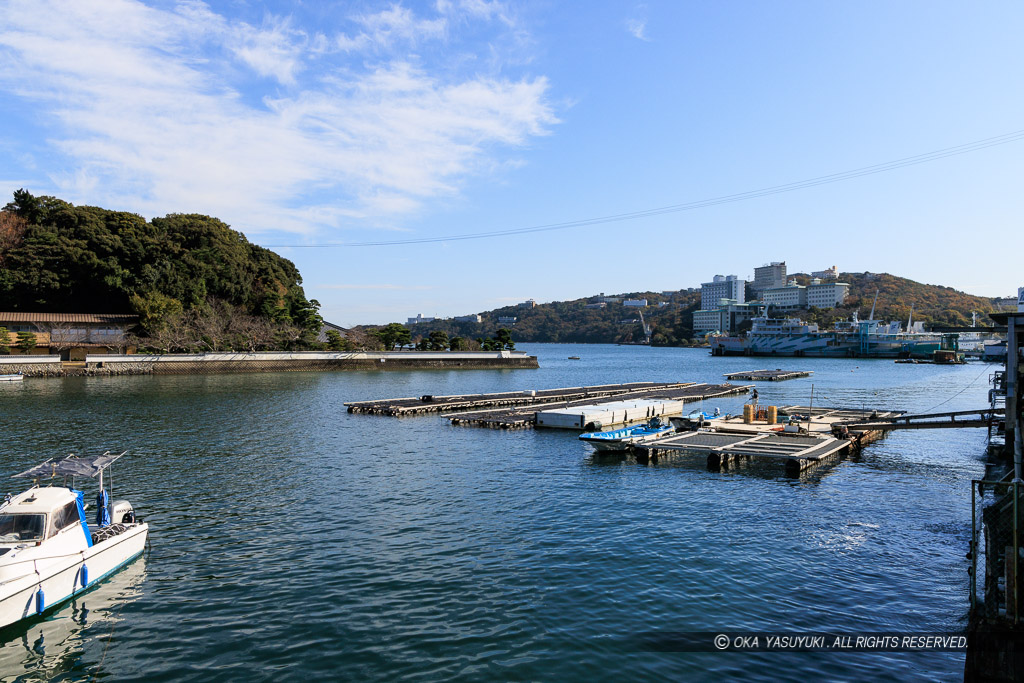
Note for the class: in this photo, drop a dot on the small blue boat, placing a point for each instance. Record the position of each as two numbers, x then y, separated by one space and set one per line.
620 439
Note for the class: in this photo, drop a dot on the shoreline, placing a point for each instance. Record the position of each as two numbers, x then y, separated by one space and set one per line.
282 361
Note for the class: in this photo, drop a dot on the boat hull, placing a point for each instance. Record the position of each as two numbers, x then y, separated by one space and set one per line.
825 345
62 578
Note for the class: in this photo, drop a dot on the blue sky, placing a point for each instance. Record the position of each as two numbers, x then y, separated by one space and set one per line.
305 124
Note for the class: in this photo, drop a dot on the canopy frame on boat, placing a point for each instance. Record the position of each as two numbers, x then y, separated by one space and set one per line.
72 465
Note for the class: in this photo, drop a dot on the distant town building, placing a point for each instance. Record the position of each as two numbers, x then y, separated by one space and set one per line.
770 275
468 319
789 297
529 303
829 274
721 287
610 299
827 295
598 304
419 319
1007 302
635 303
507 319
725 319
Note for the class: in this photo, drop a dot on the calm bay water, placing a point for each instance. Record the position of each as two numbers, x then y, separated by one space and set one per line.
291 540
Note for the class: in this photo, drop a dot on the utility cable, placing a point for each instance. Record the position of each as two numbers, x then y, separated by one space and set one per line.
935 155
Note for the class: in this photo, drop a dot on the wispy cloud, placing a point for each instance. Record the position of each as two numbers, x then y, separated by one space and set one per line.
638 27
270 127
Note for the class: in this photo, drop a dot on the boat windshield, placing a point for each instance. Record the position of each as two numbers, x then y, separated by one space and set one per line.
21 527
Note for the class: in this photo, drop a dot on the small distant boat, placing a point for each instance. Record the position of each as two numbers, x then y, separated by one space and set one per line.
621 439
16 377
574 357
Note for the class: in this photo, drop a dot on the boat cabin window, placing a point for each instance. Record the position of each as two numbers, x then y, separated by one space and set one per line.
66 516
21 527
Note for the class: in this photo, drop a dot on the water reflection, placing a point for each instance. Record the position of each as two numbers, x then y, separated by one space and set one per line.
71 640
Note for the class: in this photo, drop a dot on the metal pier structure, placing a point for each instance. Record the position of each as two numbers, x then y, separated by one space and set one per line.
768 375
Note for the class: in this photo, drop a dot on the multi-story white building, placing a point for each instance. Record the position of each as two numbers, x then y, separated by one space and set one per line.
827 274
419 319
596 304
827 295
468 319
708 321
507 319
635 303
725 319
789 297
770 275
529 303
721 287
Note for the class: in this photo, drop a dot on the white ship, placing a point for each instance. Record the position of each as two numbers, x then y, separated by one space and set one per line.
848 339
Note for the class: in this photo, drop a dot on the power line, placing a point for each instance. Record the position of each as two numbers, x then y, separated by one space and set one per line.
935 155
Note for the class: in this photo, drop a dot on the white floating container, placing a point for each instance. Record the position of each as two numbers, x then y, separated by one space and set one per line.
606 415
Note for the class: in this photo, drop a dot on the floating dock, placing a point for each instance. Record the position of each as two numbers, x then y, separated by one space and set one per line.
422 405
795 452
525 417
768 375
818 438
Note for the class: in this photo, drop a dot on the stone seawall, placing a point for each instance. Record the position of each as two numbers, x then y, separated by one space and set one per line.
31 366
33 369
182 364
193 367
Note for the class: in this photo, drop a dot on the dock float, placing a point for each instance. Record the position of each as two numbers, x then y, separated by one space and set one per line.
816 437
795 452
422 405
768 375
525 417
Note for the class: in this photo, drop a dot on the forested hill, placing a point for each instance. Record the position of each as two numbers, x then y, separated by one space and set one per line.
670 314
57 257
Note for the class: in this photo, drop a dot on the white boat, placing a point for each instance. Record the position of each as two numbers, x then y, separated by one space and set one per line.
16 377
48 551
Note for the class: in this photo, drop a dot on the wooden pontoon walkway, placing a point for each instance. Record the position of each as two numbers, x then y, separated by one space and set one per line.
768 375
421 405
525 417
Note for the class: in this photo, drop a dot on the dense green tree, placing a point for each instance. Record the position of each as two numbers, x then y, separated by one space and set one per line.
58 257
335 342
458 344
438 340
26 341
5 340
394 334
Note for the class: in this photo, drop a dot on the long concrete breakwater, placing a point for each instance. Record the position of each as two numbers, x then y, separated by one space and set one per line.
204 363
